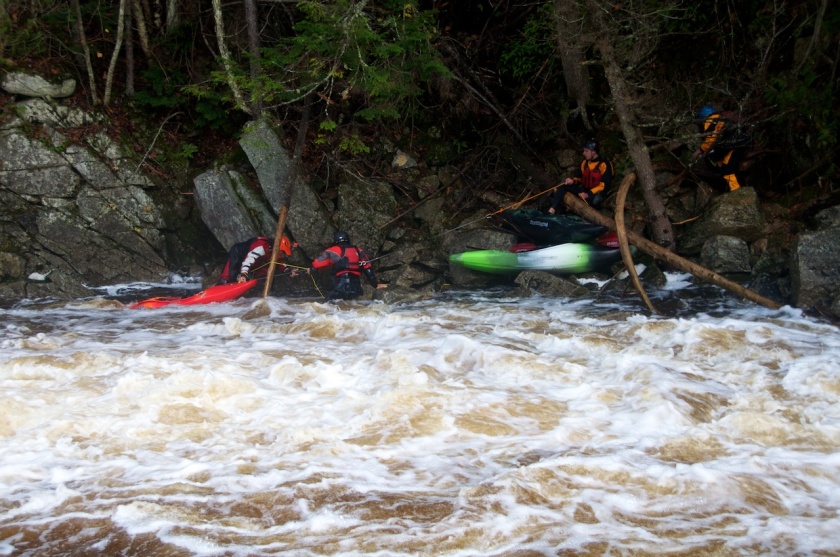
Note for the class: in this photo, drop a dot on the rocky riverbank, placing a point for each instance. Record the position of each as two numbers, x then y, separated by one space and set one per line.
80 210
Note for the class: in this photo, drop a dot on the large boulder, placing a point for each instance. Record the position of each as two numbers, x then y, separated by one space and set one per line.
365 207
230 208
815 266
726 254
737 214
307 220
19 83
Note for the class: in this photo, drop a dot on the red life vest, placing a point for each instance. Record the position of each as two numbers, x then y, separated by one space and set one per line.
349 262
592 174
345 259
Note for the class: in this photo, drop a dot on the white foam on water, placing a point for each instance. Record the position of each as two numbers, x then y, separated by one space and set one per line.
470 425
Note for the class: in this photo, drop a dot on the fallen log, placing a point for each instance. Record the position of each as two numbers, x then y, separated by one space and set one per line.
623 243
655 250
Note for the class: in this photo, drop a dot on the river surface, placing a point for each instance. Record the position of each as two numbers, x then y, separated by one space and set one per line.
470 424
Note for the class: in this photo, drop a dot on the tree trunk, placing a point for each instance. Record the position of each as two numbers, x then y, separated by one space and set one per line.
142 29
571 45
623 241
660 227
286 194
80 26
224 54
251 16
129 53
5 23
109 79
583 209
172 18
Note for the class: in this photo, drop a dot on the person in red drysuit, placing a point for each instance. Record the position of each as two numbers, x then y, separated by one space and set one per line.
349 263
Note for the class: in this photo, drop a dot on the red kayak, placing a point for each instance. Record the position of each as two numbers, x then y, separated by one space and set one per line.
219 293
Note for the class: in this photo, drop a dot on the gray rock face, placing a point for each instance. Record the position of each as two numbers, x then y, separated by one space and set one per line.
726 254
18 83
365 207
230 209
307 220
737 214
828 218
815 268
79 213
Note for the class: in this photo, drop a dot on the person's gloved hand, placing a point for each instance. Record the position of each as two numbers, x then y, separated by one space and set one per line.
242 277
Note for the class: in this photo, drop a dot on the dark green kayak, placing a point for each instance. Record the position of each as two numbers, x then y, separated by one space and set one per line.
565 259
548 230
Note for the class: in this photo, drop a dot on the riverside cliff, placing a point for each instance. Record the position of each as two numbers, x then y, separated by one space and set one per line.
79 210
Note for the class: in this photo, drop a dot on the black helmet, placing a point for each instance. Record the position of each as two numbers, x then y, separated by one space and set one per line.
341 238
592 145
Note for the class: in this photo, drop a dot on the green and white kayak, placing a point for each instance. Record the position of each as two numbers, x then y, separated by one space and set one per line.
565 259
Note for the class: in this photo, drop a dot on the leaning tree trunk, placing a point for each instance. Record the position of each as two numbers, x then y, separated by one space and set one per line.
142 29
571 45
251 17
80 28
129 53
651 248
224 54
660 227
286 193
109 79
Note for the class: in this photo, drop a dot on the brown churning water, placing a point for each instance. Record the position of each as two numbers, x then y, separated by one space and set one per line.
466 425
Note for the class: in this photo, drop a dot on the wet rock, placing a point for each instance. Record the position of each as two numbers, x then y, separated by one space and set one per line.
814 268
547 284
398 294
308 222
365 207
737 214
18 83
403 160
828 218
230 209
726 254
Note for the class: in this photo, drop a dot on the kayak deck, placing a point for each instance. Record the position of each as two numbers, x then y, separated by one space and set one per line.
218 293
565 259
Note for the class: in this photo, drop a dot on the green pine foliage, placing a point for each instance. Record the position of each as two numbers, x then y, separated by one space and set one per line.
373 58
524 56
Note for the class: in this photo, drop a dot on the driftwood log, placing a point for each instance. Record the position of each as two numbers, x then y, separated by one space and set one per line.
623 242
582 208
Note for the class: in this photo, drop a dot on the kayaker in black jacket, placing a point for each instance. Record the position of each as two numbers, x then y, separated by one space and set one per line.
724 144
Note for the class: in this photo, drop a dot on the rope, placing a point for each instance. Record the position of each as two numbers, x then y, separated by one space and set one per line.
515 205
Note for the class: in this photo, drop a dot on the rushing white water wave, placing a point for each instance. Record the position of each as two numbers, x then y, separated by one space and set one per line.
471 424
